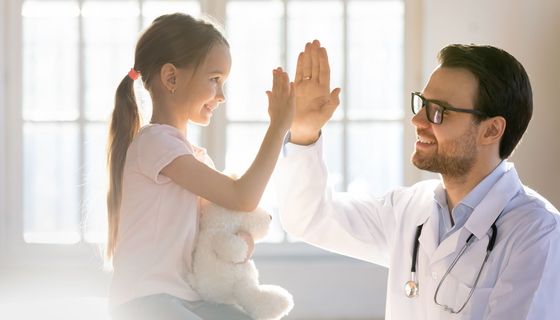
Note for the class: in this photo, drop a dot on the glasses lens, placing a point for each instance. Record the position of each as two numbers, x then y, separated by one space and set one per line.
417 103
434 113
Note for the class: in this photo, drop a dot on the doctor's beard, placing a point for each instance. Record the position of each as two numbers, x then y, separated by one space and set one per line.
454 159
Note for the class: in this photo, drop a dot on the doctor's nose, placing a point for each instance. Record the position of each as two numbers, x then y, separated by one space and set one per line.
420 120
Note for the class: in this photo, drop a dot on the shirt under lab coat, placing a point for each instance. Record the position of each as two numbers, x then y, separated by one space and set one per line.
519 281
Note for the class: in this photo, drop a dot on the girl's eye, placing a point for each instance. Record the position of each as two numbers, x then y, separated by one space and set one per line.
215 79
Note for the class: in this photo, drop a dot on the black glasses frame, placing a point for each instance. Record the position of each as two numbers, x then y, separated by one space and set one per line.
435 109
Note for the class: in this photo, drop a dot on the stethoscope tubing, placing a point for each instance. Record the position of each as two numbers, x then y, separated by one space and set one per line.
411 287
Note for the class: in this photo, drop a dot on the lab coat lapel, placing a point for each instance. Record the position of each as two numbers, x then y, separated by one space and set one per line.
480 220
429 237
448 246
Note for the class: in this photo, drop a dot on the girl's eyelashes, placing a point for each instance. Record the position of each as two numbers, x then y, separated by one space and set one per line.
215 79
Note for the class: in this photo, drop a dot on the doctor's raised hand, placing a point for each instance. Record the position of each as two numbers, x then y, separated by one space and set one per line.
315 102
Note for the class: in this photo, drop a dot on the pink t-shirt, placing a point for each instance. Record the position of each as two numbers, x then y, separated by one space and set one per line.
158 219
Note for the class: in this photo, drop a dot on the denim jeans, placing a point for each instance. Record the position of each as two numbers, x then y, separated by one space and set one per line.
168 307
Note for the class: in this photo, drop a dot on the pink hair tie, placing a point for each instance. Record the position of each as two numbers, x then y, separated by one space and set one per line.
133 74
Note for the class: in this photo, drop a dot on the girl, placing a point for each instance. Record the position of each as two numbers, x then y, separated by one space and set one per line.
157 176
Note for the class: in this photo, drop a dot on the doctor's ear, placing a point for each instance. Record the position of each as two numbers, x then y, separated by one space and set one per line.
168 75
492 130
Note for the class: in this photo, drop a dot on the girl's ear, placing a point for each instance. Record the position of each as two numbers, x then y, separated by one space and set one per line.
168 75
492 130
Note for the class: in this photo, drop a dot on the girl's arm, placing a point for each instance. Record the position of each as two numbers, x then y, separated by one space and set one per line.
243 194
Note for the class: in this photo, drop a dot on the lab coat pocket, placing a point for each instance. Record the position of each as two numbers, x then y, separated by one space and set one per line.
476 305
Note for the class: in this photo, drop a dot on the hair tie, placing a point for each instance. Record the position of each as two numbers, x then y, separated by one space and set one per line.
133 74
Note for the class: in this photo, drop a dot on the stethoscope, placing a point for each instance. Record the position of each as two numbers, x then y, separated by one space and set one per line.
411 286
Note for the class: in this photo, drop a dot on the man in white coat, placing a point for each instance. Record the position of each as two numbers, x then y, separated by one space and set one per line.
475 244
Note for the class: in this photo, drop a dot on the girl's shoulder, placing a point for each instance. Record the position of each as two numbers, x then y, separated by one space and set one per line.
161 137
164 138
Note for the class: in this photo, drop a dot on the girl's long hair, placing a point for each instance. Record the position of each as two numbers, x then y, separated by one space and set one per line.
178 39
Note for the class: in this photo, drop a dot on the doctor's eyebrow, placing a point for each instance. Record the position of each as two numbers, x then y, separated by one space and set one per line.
439 102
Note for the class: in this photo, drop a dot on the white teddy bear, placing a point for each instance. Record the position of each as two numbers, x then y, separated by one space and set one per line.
221 271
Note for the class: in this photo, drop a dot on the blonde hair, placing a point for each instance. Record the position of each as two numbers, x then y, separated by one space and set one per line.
175 38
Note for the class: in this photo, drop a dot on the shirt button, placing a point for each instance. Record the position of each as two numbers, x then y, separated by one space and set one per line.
434 275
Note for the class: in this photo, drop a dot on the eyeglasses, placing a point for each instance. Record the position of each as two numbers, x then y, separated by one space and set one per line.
435 109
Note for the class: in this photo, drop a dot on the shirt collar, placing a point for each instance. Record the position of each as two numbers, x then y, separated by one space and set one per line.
473 198
476 195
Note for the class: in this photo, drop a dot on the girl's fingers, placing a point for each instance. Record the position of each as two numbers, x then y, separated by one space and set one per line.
280 83
275 81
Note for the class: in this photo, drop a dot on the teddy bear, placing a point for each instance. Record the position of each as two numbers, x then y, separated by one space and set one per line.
221 271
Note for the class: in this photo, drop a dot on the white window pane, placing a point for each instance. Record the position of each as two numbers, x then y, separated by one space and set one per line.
256 42
154 9
375 150
51 183
50 60
242 146
375 64
95 183
110 33
321 20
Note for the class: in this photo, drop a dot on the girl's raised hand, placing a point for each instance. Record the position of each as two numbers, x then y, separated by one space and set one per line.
281 100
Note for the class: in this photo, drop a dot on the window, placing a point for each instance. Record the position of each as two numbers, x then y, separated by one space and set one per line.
75 52
365 44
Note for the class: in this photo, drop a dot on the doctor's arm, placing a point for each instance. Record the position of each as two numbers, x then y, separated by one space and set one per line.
309 210
358 226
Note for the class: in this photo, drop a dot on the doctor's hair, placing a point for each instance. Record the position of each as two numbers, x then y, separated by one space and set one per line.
503 87
176 38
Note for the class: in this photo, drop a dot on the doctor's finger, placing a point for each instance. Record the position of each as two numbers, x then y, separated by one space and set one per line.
307 62
324 68
315 60
299 67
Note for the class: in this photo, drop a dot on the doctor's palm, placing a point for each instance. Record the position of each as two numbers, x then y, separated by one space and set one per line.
315 103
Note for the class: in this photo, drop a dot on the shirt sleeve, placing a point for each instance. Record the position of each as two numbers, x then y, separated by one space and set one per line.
356 226
156 149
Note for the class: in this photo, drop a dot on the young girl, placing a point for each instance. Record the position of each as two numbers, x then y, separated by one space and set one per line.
157 176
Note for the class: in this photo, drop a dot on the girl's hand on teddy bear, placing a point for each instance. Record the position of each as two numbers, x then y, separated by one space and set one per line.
250 244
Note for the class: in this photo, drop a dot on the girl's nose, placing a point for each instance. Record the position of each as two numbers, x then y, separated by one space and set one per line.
220 95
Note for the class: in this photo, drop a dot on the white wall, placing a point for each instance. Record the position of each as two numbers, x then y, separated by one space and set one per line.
2 122
530 31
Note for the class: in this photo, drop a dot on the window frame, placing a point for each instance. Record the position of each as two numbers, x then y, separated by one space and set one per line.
14 250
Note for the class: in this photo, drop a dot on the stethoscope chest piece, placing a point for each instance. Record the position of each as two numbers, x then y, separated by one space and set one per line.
411 289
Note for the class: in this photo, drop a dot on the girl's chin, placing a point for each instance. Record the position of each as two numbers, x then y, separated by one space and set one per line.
202 123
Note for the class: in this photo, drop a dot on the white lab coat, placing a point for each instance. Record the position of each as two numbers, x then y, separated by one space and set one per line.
520 280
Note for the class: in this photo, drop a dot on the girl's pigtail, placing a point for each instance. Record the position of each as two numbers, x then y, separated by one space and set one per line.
125 124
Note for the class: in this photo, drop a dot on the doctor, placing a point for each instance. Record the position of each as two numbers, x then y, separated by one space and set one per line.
475 244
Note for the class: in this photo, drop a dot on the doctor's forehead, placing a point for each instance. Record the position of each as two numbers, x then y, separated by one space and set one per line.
455 86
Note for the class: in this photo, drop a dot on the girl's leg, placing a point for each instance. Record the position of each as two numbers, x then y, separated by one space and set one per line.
154 307
213 311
